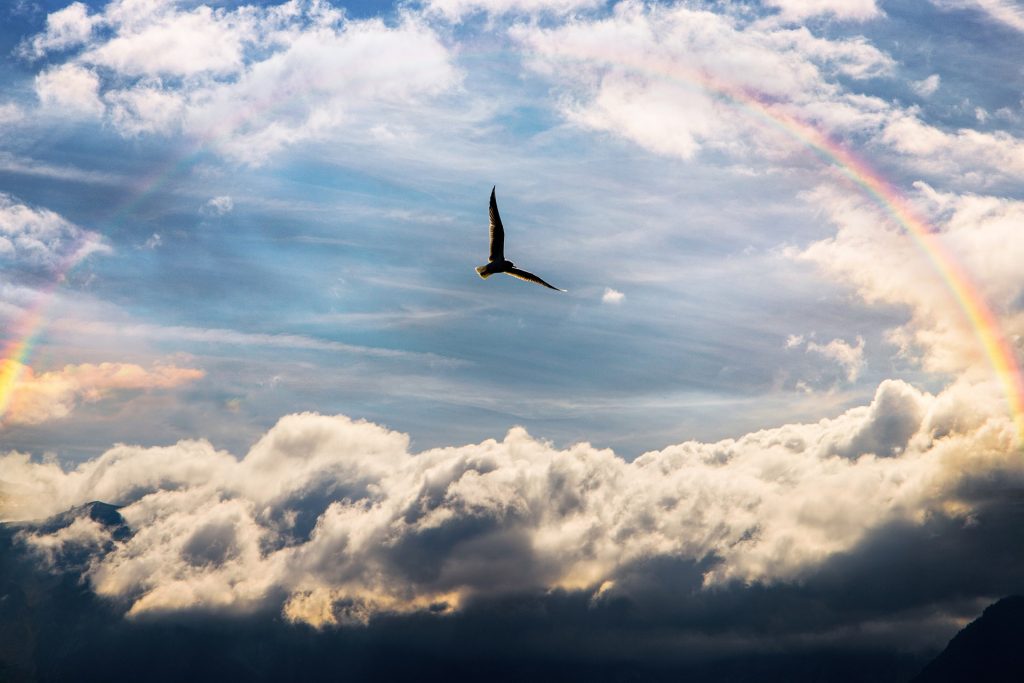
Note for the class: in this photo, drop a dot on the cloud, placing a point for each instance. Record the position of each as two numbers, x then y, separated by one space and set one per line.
612 296
218 206
850 358
33 167
661 87
457 9
875 257
40 397
982 157
927 87
176 44
1007 13
684 80
11 113
216 335
323 81
798 10
66 28
331 520
248 81
70 88
144 109
40 237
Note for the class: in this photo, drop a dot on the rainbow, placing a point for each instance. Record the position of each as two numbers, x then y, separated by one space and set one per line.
1000 353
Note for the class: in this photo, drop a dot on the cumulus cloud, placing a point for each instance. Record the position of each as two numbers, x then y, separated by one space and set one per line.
982 157
850 358
39 397
612 296
251 80
70 88
333 521
875 256
40 237
176 43
66 28
146 107
218 206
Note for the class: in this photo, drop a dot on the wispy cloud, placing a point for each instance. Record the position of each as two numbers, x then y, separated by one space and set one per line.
11 163
1005 12
182 333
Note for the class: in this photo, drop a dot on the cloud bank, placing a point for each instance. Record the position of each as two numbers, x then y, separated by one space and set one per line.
334 521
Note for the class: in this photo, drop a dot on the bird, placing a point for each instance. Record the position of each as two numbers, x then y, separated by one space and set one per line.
497 263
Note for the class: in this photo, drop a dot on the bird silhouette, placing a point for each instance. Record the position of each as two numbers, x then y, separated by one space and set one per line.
496 261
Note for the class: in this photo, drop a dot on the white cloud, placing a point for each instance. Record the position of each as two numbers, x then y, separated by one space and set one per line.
885 265
682 80
340 518
926 87
855 10
966 155
40 397
174 43
673 80
218 206
612 296
248 81
154 241
850 358
456 9
65 28
38 236
11 113
1003 11
145 108
70 88
324 80
34 167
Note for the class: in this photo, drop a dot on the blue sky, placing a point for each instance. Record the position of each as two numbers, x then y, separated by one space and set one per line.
288 201
358 235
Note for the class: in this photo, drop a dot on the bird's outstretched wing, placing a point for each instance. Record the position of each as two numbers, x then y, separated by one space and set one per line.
497 232
530 277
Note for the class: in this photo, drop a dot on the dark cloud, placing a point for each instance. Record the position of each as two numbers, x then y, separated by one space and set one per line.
877 612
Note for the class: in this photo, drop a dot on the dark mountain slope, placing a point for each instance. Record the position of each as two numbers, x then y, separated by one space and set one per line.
988 650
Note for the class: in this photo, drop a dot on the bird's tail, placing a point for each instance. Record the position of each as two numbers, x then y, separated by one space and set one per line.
482 272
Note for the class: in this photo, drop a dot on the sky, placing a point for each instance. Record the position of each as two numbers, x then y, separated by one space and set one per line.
237 296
